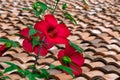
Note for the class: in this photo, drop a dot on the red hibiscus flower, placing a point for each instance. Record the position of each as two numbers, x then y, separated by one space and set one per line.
69 57
3 48
27 43
54 32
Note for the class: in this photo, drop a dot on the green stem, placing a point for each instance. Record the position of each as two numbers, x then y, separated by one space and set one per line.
37 57
55 6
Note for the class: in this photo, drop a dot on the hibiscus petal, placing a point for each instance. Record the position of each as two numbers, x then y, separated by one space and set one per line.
41 26
48 44
61 54
58 40
69 50
2 47
77 59
43 51
76 69
25 32
51 20
63 30
27 45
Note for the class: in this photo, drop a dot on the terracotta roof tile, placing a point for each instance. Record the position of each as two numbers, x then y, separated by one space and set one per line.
60 76
47 60
108 68
85 69
15 76
117 63
80 78
56 63
111 76
109 59
87 61
117 57
97 64
91 74
2 59
97 78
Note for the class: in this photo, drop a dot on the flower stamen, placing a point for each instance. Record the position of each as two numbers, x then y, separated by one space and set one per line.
52 32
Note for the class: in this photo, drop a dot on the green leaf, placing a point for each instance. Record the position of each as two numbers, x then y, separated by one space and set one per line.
32 31
39 7
8 69
1 73
23 73
79 49
8 45
39 75
35 40
7 41
11 68
31 76
31 67
69 16
37 13
44 72
52 66
30 26
15 44
64 68
64 6
84 1
26 73
11 64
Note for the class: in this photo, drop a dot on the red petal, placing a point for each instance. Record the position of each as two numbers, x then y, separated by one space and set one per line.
63 30
69 50
27 45
58 40
41 26
2 47
51 20
61 54
77 59
25 32
76 69
48 44
1 53
43 51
